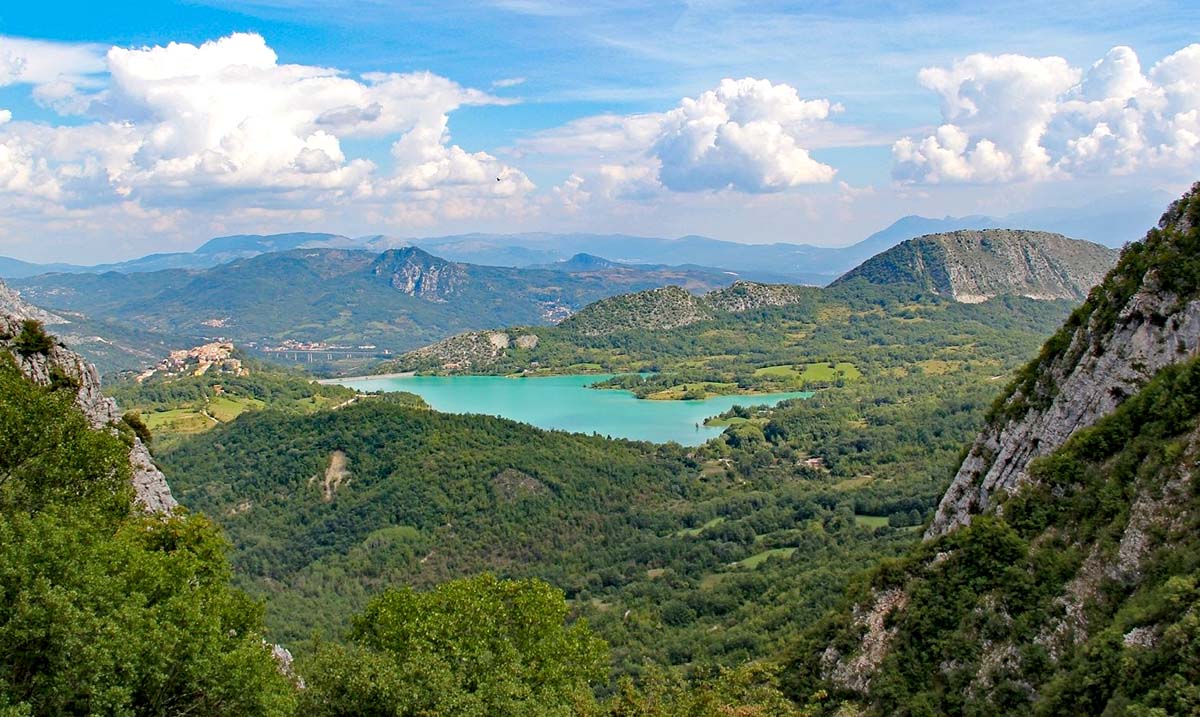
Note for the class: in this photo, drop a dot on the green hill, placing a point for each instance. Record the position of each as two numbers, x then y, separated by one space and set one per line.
975 265
393 301
1060 573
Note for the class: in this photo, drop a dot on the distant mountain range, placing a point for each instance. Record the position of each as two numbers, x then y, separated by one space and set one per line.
389 301
968 266
1107 221
322 289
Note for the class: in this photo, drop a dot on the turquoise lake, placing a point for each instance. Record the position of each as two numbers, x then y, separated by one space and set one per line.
567 404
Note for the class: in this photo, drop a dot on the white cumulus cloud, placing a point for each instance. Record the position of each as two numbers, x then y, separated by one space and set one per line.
1015 118
742 135
227 121
746 135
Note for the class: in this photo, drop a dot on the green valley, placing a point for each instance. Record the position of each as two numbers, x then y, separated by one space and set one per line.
534 358
366 304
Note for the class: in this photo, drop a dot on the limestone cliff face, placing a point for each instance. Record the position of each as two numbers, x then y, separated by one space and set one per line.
59 363
1091 378
1143 318
971 266
14 307
1089 368
420 274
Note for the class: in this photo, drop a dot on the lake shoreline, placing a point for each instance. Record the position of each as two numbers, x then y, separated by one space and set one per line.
337 381
565 403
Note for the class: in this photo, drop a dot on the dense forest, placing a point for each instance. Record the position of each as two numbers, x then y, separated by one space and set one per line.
688 557
114 611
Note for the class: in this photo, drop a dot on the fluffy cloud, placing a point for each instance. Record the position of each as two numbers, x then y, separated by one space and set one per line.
741 135
744 135
1011 118
224 120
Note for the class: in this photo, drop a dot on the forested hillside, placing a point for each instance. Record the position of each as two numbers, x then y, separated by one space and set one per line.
718 554
391 301
1060 573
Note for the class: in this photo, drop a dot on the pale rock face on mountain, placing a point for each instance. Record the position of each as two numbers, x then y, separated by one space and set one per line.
474 349
1092 377
150 485
972 266
14 307
1142 318
419 274
750 295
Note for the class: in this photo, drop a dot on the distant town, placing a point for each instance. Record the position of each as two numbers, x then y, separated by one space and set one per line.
197 361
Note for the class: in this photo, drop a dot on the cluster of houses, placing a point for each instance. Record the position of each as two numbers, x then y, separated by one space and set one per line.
197 361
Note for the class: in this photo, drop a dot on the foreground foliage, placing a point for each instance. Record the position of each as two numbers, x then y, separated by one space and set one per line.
104 611
475 647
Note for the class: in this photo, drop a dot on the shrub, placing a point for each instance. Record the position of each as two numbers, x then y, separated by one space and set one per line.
33 339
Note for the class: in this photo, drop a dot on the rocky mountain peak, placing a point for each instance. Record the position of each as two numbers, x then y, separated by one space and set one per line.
55 364
419 273
971 266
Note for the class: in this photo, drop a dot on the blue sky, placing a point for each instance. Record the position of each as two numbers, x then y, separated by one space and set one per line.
600 116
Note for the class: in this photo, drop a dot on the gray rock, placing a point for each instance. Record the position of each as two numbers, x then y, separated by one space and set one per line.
971 266
150 485
1153 331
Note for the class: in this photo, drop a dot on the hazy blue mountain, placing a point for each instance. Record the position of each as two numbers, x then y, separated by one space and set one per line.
254 244
396 300
1107 220
16 269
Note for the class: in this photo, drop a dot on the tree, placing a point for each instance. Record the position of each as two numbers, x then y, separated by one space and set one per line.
32 339
477 647
105 611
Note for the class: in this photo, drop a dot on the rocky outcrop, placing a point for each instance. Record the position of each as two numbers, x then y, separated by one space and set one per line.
60 366
971 266
14 307
1093 366
748 295
420 274
1115 509
471 350
853 672
666 308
